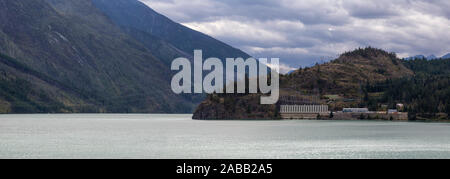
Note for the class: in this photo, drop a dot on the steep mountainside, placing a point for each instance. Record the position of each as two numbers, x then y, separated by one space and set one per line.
141 21
86 52
342 79
159 48
24 90
71 57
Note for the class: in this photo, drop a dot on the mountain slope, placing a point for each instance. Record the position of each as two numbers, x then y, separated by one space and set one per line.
426 95
79 47
345 74
136 16
446 56
24 90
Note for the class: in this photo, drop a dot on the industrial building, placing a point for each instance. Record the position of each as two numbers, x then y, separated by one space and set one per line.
303 111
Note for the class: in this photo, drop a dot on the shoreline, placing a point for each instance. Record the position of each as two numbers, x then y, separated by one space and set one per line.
261 119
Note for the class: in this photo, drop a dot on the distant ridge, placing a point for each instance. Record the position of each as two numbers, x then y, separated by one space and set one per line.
431 57
446 56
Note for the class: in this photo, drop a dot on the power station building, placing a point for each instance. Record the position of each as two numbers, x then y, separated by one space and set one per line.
303 111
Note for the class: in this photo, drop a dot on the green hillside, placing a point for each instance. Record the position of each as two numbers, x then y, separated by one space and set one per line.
24 90
426 94
83 51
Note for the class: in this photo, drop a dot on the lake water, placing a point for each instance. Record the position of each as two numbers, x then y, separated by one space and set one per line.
177 136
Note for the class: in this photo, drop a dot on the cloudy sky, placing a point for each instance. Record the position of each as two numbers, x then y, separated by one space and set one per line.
303 32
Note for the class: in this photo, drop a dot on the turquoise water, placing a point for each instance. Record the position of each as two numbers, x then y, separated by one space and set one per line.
177 136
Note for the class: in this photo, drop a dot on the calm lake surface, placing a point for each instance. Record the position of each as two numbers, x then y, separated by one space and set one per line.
177 136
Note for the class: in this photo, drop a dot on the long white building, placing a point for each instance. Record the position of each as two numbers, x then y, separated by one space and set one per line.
304 109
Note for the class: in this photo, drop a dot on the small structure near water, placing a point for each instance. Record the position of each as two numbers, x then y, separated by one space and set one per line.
365 114
355 110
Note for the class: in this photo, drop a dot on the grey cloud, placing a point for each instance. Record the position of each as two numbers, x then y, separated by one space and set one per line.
303 32
373 9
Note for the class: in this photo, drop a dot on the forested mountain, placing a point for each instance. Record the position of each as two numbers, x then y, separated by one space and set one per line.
70 56
426 94
24 90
